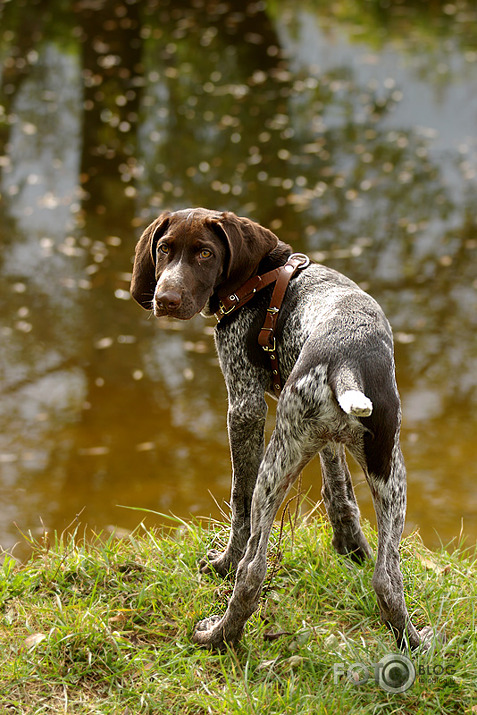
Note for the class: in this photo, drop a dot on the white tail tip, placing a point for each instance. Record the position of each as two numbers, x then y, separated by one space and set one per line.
354 402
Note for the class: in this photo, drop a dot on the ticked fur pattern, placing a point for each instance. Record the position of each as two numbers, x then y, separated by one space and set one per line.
335 351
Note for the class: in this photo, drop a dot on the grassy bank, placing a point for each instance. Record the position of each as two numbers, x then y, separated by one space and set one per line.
105 627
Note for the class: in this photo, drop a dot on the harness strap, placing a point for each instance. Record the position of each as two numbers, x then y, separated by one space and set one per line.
281 277
241 296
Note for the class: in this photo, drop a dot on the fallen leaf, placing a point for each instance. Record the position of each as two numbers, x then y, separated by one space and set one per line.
294 661
432 566
34 639
267 664
120 618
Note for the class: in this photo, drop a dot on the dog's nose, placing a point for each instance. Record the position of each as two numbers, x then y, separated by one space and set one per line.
169 299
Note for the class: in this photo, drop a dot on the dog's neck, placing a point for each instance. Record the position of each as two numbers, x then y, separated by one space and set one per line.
277 257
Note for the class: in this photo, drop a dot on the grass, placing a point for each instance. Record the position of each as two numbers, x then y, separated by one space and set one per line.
104 626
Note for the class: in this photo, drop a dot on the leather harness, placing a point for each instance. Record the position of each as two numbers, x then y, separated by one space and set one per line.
281 277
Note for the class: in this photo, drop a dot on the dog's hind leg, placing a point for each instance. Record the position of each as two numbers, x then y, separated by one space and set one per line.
289 450
389 496
340 502
383 464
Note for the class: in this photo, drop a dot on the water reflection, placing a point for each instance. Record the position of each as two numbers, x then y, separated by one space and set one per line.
347 129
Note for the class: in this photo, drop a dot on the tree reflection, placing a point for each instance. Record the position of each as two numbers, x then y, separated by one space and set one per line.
111 112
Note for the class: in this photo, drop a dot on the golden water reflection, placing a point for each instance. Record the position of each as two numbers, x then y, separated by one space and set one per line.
347 128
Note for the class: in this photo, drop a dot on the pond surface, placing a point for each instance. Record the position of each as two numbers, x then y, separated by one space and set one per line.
348 128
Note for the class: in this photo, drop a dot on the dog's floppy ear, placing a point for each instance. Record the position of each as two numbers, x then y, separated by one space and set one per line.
143 282
247 242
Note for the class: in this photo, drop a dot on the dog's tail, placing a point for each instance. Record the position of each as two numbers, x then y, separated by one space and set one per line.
349 393
355 402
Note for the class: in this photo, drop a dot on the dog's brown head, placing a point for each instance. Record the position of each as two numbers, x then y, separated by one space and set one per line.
185 257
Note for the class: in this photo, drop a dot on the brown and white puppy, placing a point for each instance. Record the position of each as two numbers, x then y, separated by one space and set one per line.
335 351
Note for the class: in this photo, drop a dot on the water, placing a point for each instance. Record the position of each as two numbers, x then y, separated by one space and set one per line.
349 129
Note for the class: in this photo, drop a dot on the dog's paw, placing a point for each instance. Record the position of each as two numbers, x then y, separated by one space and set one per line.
354 402
217 562
353 545
209 633
430 638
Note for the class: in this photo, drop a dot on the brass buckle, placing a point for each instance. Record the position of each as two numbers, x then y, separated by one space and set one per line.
225 311
271 349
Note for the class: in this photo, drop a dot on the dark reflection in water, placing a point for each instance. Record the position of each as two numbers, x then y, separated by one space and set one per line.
350 129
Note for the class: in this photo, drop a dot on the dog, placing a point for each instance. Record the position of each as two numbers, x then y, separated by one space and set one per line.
334 377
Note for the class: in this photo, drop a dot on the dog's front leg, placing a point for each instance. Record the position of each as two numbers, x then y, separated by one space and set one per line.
246 424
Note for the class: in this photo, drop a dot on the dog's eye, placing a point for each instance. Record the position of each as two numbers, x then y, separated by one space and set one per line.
205 253
163 248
